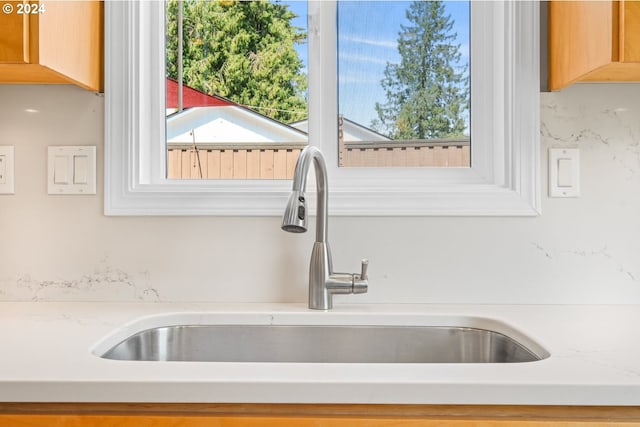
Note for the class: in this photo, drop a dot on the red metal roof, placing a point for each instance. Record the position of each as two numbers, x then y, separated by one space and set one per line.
192 97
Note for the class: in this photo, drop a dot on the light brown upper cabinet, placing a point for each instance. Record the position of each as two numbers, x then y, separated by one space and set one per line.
593 41
52 42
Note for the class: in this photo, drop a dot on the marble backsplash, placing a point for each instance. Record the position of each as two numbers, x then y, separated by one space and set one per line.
583 250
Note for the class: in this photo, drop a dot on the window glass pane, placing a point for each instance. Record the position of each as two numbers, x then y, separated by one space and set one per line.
238 110
403 81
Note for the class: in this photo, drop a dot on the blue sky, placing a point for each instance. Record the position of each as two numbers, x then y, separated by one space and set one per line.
368 33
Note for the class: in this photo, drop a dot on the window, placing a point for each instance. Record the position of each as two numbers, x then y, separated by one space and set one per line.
503 179
237 88
403 83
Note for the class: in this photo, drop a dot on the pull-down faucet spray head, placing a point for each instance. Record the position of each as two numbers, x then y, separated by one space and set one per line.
294 219
295 215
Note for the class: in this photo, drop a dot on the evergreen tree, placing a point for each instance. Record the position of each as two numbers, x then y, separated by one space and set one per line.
242 50
426 95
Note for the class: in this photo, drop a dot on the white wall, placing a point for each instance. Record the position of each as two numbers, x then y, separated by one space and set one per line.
584 250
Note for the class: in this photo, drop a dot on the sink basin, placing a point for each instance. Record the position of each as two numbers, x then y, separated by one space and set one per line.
322 344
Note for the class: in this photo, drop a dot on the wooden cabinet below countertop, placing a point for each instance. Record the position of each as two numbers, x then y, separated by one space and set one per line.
309 415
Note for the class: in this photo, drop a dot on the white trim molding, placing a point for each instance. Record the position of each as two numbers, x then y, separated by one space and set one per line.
505 149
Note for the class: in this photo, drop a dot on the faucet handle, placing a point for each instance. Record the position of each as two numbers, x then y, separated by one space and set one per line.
364 267
361 283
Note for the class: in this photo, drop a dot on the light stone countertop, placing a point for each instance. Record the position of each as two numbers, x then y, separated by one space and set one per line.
47 356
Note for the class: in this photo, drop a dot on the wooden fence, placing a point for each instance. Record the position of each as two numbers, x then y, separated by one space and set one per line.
232 163
440 153
251 161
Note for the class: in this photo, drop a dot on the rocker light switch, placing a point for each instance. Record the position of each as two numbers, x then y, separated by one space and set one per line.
72 170
564 168
565 177
80 167
61 170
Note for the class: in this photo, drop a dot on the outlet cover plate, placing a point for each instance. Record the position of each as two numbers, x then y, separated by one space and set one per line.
7 178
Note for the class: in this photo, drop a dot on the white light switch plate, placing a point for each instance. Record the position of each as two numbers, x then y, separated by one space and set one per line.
72 170
7 169
564 172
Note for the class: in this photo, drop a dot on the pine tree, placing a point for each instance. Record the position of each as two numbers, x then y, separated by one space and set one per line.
242 50
426 95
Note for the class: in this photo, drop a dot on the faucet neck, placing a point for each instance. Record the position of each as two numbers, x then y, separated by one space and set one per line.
307 155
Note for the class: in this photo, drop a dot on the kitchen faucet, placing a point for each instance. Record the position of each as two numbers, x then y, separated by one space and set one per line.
323 282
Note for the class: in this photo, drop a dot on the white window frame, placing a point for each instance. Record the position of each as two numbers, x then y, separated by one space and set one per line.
505 150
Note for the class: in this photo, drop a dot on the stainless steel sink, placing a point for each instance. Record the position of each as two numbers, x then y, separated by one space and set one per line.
322 344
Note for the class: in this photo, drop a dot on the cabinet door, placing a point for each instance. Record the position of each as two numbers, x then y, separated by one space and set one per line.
14 34
581 39
70 40
630 31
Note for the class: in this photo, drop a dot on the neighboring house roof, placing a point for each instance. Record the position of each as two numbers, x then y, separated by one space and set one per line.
217 120
211 119
228 124
351 131
192 97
